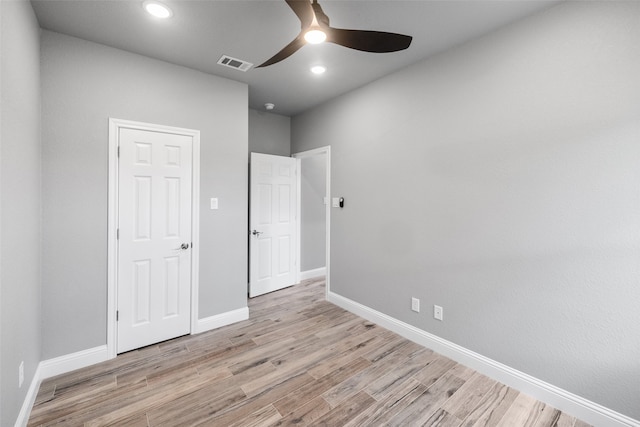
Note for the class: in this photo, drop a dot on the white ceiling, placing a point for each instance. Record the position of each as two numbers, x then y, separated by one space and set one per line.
201 31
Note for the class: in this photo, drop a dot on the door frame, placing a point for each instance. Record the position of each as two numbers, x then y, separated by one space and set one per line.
112 223
326 151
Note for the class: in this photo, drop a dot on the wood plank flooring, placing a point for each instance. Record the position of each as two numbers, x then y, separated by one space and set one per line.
298 361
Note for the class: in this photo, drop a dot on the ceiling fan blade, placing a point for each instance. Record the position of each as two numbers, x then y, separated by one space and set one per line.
321 17
303 10
286 52
311 14
369 41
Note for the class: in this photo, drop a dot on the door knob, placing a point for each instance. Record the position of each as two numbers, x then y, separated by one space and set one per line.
183 246
256 232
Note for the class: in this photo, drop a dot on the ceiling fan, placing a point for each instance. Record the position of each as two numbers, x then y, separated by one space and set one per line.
316 29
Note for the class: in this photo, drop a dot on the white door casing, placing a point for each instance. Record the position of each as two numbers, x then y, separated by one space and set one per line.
273 223
153 208
326 152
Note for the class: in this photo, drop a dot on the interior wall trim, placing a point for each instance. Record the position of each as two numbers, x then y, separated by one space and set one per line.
312 274
56 366
570 403
219 320
563 400
29 400
326 151
70 362
81 359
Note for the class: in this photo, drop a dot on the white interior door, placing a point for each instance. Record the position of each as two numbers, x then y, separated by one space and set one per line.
154 243
272 223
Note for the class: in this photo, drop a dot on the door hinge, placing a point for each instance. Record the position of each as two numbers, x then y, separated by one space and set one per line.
117 315
117 234
118 151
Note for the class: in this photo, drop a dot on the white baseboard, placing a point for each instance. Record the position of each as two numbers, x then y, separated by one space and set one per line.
30 398
312 274
219 320
570 403
71 362
56 366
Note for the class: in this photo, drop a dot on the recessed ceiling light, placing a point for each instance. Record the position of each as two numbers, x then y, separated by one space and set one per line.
157 9
315 36
318 69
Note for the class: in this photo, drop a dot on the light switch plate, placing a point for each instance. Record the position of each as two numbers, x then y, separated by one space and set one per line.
214 203
415 305
437 312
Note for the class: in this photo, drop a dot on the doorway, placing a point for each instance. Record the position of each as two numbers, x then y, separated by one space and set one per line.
314 213
152 233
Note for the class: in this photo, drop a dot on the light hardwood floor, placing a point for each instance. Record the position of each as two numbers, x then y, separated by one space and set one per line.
299 361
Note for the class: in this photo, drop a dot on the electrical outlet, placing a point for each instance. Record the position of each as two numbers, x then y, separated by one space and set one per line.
415 305
20 374
437 312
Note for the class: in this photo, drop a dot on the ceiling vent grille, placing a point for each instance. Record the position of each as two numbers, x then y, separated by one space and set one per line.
234 63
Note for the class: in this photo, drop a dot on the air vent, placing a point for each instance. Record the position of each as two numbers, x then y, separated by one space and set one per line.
235 63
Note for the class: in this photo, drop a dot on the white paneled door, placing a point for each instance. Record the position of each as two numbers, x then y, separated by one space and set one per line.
154 237
272 239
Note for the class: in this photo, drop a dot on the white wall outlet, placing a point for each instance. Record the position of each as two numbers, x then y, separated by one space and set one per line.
415 305
214 203
437 312
20 374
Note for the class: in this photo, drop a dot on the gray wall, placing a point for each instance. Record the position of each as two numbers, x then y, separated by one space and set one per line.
83 85
20 194
500 181
269 133
312 212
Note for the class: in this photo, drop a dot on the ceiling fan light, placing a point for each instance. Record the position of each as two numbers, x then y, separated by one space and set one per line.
315 36
157 9
318 69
